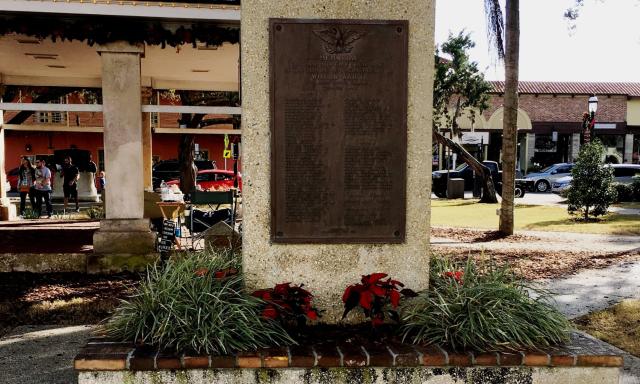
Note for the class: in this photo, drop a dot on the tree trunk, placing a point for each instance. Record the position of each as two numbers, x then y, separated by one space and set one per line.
488 188
510 122
188 169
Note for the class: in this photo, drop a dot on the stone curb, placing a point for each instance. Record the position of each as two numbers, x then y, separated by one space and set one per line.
103 355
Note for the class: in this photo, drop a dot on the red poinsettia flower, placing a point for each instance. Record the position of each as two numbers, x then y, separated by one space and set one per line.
201 272
373 294
270 312
288 303
221 274
456 275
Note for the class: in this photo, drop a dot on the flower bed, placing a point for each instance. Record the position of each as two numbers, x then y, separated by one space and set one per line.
193 314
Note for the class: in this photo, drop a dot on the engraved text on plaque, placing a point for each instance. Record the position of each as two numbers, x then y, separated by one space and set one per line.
339 130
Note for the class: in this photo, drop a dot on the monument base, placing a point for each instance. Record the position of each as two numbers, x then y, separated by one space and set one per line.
7 210
122 244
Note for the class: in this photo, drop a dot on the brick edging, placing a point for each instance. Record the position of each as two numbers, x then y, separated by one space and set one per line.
584 351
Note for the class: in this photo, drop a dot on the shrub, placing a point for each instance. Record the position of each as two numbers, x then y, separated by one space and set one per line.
481 307
195 302
291 305
30 214
591 189
624 192
374 296
95 212
635 188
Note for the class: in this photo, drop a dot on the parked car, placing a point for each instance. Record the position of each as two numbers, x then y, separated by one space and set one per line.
622 173
561 184
543 180
216 179
464 171
12 179
170 169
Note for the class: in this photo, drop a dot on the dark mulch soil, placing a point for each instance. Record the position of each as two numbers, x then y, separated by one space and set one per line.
477 236
535 265
358 334
60 298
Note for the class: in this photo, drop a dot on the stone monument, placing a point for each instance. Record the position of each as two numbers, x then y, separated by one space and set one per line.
337 101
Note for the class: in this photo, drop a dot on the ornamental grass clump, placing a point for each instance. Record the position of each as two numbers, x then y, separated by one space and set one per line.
482 307
195 303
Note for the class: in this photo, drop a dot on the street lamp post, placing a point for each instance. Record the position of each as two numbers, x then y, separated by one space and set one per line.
589 118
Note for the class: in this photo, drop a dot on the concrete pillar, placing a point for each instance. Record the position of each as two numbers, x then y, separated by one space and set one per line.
628 148
124 231
3 175
147 144
531 148
7 210
523 160
574 149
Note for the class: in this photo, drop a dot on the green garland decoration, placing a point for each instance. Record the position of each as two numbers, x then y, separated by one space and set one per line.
101 30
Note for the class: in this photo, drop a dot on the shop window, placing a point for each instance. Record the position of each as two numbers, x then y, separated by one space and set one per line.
635 156
614 148
155 119
51 117
545 143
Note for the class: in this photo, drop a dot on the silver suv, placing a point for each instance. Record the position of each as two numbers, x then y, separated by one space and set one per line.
543 180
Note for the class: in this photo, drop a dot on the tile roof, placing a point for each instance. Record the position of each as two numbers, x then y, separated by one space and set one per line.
542 87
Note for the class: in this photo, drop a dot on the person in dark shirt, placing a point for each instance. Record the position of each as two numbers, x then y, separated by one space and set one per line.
70 174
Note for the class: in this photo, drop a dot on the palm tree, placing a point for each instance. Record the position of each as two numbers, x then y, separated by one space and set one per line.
510 54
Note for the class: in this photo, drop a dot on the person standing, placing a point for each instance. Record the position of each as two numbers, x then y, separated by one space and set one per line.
43 188
70 175
26 179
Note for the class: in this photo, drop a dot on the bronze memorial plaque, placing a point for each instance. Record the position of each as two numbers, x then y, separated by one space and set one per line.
338 130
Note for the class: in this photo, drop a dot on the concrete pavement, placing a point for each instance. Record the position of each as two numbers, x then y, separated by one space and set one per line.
37 354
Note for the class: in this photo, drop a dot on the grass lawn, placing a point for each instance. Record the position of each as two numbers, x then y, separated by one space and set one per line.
618 325
469 214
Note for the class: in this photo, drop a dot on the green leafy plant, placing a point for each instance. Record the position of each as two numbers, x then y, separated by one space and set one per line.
60 215
592 189
483 307
30 214
95 212
635 188
624 192
195 302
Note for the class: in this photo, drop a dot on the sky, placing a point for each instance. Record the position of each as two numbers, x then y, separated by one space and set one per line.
603 46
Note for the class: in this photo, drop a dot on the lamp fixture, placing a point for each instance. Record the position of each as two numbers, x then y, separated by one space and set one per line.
593 104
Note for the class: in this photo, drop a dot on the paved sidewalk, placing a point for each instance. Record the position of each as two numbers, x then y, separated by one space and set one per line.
553 241
37 354
594 290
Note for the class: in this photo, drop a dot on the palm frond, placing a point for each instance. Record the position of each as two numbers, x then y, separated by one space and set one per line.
495 26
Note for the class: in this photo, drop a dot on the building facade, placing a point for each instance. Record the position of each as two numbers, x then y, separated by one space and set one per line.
550 123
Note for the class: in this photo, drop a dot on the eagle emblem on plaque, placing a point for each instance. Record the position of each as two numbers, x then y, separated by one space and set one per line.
338 40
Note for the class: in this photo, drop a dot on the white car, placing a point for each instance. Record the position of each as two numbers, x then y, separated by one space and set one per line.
561 184
622 173
543 180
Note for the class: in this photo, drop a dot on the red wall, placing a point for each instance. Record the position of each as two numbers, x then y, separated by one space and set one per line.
164 145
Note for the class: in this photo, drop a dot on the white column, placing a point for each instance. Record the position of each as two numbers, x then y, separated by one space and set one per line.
7 210
531 148
628 148
122 116
3 175
574 149
124 231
